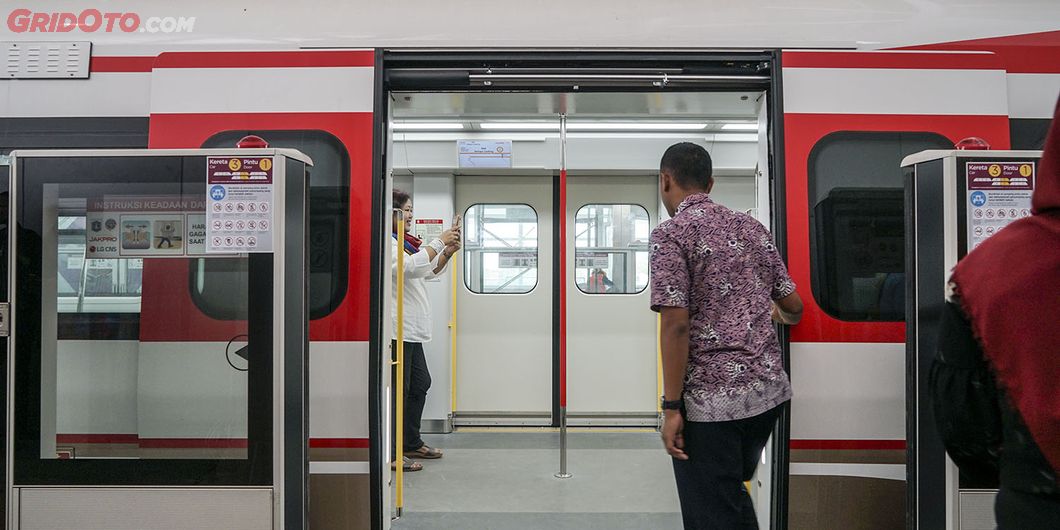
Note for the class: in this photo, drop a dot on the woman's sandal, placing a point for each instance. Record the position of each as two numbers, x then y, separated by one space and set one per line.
407 464
426 452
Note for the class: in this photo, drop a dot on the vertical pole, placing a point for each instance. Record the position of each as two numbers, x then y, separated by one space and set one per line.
563 473
399 399
454 265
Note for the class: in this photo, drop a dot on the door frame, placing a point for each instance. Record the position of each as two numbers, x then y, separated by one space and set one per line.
442 70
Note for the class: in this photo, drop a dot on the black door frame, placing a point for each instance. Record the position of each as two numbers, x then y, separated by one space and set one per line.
449 70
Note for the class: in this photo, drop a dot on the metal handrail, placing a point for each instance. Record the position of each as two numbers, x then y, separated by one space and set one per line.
563 472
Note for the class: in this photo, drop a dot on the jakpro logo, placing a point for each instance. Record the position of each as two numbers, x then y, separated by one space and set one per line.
93 20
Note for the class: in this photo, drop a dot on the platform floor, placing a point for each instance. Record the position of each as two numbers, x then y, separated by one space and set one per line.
504 480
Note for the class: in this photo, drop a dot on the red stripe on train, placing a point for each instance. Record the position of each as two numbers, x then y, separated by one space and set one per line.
198 443
193 443
1031 53
339 443
120 64
304 58
894 60
96 439
833 445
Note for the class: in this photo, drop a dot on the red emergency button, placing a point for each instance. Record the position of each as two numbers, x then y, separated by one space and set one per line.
252 141
972 143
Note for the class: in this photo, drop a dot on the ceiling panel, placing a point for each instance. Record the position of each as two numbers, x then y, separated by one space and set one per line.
516 105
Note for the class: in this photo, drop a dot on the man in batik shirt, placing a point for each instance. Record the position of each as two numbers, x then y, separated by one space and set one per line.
719 284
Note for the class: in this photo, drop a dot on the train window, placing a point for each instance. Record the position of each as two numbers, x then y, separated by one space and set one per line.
329 215
1029 133
500 248
857 242
611 248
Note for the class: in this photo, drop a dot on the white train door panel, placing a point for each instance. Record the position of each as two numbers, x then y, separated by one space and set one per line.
611 346
504 369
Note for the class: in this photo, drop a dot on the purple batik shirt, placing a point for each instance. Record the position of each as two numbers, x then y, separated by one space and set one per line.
723 266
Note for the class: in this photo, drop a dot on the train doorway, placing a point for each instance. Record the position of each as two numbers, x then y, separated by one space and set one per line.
556 184
124 405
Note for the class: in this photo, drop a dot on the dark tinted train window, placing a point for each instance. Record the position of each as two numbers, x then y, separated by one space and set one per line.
857 242
329 194
1028 133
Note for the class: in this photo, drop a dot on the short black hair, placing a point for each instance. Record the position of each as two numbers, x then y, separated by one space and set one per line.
400 198
689 164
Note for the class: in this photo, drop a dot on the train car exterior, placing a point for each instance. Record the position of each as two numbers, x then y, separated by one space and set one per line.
844 112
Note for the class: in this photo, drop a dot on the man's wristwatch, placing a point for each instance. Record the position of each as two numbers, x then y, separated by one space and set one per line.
672 405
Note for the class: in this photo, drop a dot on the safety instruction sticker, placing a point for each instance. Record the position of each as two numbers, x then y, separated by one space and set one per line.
145 226
239 196
998 193
428 229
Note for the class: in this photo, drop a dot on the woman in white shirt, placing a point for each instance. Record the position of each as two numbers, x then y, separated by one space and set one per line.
422 262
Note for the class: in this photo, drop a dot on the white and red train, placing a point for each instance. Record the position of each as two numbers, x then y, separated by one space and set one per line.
846 105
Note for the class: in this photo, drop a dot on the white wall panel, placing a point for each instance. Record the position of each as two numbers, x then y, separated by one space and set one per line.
103 94
1032 95
97 383
894 91
338 389
694 24
137 509
187 390
433 199
848 391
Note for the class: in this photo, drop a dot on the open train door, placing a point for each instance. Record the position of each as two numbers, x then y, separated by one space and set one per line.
849 119
322 103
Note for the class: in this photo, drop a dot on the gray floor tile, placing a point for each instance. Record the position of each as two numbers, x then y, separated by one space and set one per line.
505 481
545 440
549 521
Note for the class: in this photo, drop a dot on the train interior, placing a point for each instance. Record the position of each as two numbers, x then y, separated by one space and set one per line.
495 159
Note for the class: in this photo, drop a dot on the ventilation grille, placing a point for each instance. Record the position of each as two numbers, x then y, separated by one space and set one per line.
47 60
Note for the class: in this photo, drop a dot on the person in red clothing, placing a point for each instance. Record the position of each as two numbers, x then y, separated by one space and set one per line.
994 378
599 282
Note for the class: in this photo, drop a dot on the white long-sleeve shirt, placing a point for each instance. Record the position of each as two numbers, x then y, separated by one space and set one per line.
418 268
